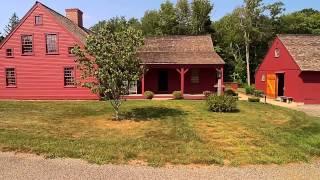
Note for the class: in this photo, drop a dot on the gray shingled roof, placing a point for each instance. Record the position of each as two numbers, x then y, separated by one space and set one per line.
305 50
78 31
179 50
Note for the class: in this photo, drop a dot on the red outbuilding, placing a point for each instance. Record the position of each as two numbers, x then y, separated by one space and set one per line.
36 60
292 69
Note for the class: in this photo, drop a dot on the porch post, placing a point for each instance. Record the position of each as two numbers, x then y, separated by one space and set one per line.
142 84
182 72
222 79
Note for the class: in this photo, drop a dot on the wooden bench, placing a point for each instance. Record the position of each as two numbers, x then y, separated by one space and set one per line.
286 99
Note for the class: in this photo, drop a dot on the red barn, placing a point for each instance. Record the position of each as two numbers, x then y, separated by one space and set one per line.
36 61
292 69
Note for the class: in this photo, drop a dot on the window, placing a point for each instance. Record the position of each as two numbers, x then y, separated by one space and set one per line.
51 44
27 44
263 78
70 51
69 79
10 77
38 20
9 52
277 53
195 76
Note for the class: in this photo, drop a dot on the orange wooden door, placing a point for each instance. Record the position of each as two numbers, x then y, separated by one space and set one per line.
271 85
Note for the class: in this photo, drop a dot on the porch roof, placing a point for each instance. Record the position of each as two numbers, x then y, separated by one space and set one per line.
179 50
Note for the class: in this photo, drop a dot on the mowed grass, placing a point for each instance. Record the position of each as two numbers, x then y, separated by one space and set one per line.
159 133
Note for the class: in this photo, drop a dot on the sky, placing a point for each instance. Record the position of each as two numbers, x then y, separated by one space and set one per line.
95 10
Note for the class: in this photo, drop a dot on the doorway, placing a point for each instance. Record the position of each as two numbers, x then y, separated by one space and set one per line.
280 85
163 81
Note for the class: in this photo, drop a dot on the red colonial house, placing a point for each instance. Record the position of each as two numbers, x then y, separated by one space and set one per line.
36 60
292 69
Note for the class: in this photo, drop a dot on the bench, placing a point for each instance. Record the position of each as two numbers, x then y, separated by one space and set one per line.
286 99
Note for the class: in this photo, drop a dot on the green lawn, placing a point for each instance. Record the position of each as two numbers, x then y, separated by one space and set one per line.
159 132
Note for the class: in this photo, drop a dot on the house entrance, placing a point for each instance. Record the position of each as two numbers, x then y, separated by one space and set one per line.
280 85
163 81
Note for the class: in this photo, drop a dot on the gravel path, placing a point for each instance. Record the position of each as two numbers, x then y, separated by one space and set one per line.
25 166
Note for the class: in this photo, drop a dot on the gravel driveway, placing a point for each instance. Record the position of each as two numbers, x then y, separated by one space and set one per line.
24 166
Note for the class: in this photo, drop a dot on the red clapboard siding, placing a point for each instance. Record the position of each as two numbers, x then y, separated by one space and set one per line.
40 76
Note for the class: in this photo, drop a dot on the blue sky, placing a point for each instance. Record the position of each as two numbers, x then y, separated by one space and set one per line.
95 10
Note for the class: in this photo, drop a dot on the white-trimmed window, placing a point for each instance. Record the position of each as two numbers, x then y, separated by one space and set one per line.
277 52
69 77
11 77
263 78
195 79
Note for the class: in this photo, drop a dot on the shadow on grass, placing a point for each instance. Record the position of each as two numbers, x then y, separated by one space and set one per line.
147 113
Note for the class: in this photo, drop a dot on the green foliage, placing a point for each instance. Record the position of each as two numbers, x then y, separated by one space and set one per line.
222 103
177 95
253 99
183 12
249 90
150 23
148 95
306 21
230 92
168 18
13 22
200 18
258 93
109 61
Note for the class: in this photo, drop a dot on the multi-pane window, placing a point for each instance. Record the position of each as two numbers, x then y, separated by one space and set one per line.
51 43
69 79
10 77
195 76
27 44
9 52
38 20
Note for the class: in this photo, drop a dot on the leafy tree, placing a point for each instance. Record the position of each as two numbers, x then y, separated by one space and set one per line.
151 23
13 22
168 18
1 38
200 18
306 21
183 13
133 22
109 60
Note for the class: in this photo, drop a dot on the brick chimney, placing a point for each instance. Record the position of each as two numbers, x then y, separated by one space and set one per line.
75 15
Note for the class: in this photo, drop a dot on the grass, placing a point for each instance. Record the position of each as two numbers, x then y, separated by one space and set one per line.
160 132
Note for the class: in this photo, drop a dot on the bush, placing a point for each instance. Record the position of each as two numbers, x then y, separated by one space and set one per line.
258 93
222 103
177 95
249 90
207 93
254 99
230 92
148 94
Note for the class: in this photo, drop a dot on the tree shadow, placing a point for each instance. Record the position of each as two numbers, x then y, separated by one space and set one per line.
148 113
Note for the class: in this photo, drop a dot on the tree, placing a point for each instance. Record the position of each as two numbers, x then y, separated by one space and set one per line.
168 18
200 18
150 23
109 61
13 22
183 13
1 38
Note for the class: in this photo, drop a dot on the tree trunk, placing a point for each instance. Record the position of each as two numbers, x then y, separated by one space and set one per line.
247 42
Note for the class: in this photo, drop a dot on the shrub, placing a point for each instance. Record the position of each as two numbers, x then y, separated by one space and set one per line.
222 103
177 95
258 93
249 89
148 94
230 92
254 99
207 93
